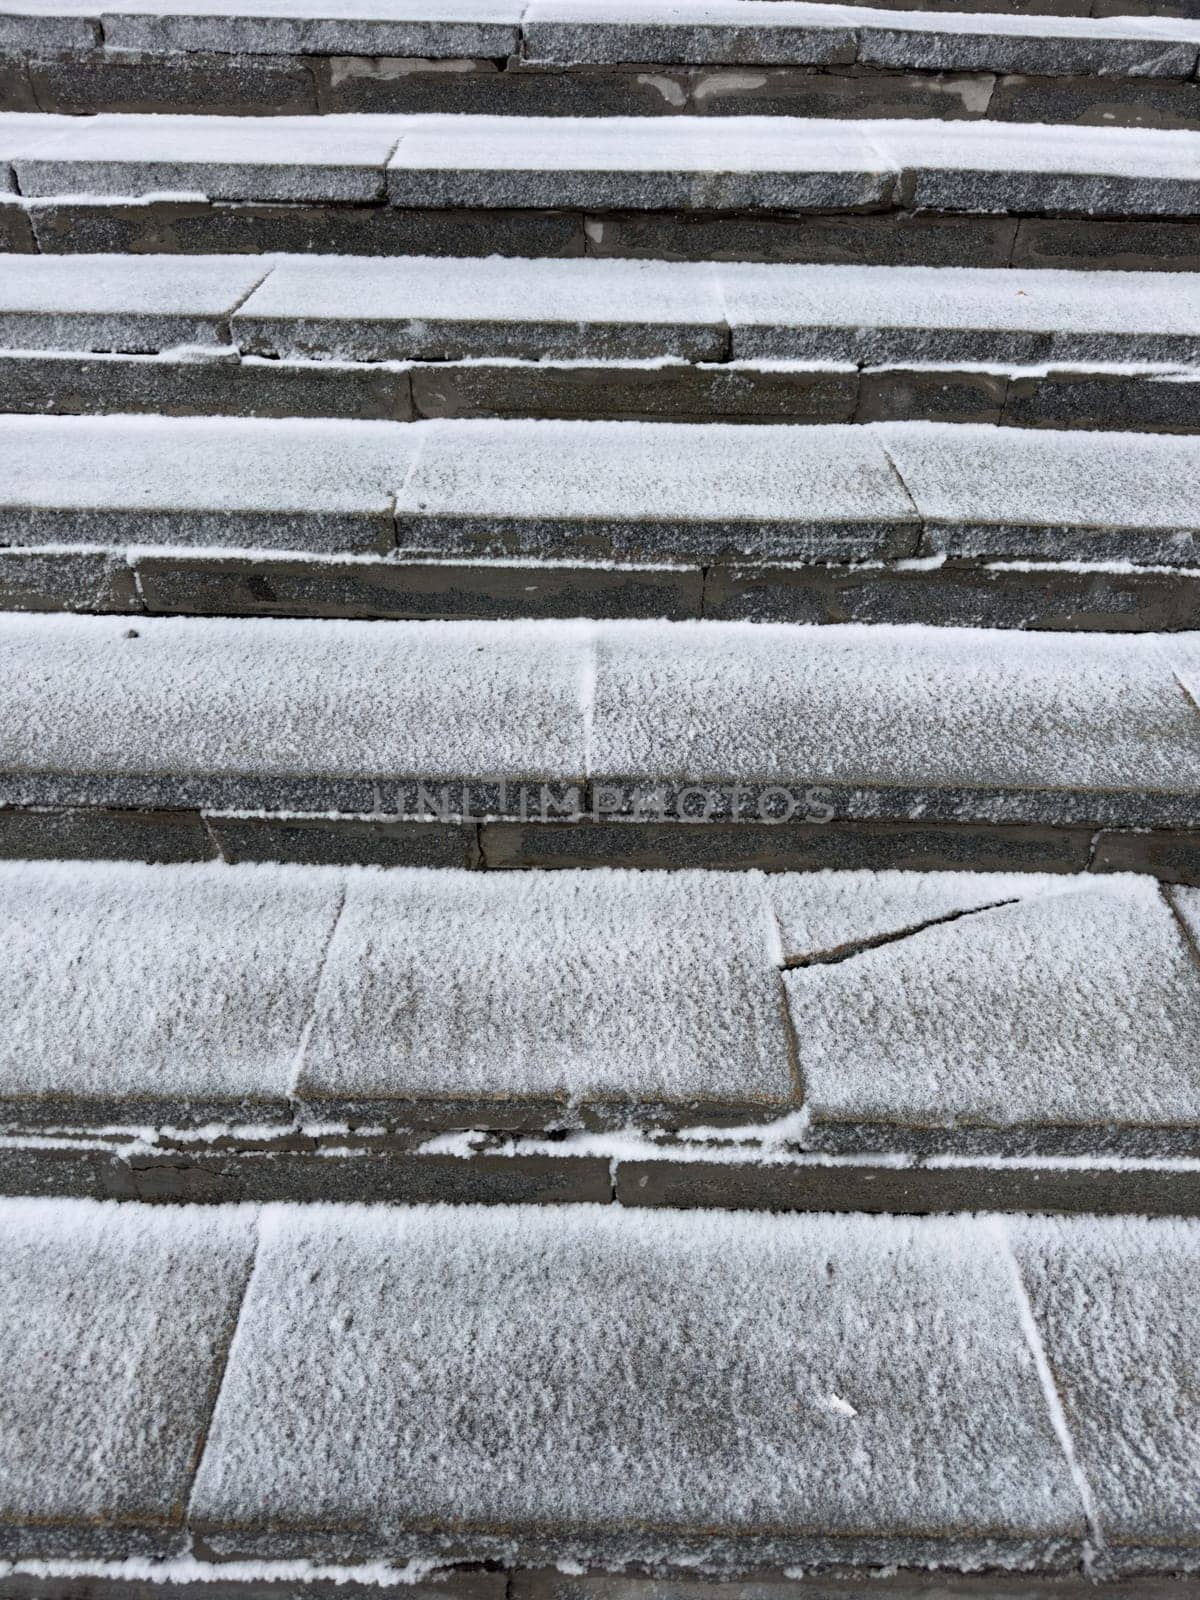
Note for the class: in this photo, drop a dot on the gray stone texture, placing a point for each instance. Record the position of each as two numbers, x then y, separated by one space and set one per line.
115 1324
193 84
509 1411
1112 1304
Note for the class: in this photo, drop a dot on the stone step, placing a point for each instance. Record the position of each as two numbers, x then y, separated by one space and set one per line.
537 1387
572 743
434 336
907 521
597 58
259 1031
749 187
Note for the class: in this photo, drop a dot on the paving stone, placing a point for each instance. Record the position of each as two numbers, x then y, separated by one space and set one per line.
880 314
1063 495
742 1340
66 580
221 158
1051 45
257 586
194 83
127 303
758 163
93 834
1068 398
631 489
880 723
135 992
280 712
429 28
1143 245
344 841
16 235
1175 858
1060 1021
1096 102
441 310
1111 1303
202 228
741 31
175 384
116 1321
323 485
604 993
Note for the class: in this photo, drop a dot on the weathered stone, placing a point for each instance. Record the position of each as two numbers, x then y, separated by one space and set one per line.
115 1327
1096 102
888 238
733 1334
16 231
1104 400
661 34
42 28
1098 50
133 81
344 841
204 228
16 92
349 83
816 1184
1112 1305
893 394
1147 244
978 1057
670 393
1174 857
957 594
58 580
794 847
98 834
72 384
401 30
399 589
846 92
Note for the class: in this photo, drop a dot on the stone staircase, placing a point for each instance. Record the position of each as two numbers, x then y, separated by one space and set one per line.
599 799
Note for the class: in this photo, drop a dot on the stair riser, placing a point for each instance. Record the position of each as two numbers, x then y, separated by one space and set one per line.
956 594
881 238
99 833
83 384
255 85
229 1176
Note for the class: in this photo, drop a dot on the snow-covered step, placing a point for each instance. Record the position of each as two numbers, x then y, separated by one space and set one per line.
951 1392
292 1019
562 186
576 727
624 491
599 57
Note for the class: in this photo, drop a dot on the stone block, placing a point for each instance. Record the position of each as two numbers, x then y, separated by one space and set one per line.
1143 244
116 1324
344 841
407 29
58 580
1096 102
748 1340
94 833
657 33
136 81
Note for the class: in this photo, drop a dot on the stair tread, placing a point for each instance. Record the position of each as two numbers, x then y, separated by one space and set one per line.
960 724
461 1368
207 997
711 164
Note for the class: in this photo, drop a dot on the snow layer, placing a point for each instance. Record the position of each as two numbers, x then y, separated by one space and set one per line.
1114 1302
290 482
573 1377
226 158
1073 1009
1021 491
821 913
113 1323
172 986
926 313
196 697
930 707
439 308
759 489
586 986
113 302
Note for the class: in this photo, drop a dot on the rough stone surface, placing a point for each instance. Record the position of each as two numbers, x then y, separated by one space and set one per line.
1073 1016
733 1337
127 987
324 485
115 1324
601 988
1110 1299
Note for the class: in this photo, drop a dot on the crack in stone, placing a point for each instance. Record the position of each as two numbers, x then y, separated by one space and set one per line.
857 947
